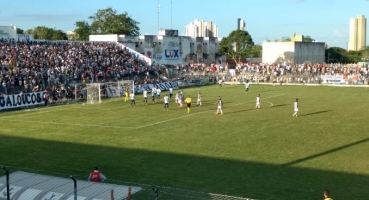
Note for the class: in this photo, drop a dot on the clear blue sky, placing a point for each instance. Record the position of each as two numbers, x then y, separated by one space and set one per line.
324 20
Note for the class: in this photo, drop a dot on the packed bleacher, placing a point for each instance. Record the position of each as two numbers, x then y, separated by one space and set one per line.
47 65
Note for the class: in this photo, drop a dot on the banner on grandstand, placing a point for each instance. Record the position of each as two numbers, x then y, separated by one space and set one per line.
21 100
338 79
119 91
193 82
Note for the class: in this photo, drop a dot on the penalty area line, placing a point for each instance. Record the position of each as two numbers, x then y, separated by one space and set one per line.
271 104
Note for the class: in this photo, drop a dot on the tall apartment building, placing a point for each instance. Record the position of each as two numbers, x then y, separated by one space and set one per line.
201 28
357 37
241 24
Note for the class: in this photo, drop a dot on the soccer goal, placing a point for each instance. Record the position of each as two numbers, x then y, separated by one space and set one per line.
93 93
117 89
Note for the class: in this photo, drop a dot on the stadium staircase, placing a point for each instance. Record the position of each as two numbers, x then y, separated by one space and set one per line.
137 54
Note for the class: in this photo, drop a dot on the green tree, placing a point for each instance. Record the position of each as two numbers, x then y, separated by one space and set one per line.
59 35
108 21
237 45
20 31
307 39
83 30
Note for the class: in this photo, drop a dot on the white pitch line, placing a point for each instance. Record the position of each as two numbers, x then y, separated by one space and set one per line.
271 104
71 124
160 122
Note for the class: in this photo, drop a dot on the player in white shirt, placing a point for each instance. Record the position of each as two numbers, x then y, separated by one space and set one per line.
158 91
132 98
179 99
258 101
145 96
166 102
170 92
220 106
153 94
198 99
295 107
247 86
220 82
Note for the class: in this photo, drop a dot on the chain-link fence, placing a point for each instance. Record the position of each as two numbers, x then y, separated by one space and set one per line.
28 184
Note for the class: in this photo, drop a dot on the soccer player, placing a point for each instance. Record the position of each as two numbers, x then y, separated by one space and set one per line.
295 107
145 96
127 93
247 86
170 92
179 99
326 195
158 91
166 102
188 101
258 101
220 82
198 99
153 93
220 106
132 97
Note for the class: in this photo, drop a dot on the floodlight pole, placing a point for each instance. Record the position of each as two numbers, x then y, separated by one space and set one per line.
75 187
7 183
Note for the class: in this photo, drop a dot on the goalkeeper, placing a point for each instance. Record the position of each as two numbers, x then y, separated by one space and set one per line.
127 94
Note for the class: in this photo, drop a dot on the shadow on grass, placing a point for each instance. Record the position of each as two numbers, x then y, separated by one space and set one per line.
223 176
315 113
238 111
280 105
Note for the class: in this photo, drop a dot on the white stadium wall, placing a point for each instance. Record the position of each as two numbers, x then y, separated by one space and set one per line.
274 52
8 32
104 38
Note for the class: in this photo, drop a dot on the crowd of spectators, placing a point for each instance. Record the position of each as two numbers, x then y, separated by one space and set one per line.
299 73
37 66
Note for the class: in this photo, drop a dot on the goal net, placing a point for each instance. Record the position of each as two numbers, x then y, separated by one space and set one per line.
118 89
93 93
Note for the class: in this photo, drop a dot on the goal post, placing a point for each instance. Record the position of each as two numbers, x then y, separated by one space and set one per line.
93 93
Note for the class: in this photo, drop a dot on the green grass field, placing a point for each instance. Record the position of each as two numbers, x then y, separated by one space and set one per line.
261 154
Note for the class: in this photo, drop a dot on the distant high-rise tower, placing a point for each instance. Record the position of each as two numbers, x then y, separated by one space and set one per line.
357 37
241 24
201 28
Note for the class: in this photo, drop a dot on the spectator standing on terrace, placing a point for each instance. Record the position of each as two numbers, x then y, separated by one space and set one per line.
326 195
96 176
46 98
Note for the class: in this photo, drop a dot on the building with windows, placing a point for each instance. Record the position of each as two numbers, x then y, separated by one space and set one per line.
241 24
201 28
168 48
357 33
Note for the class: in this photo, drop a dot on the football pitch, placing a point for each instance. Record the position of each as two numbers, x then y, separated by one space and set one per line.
255 153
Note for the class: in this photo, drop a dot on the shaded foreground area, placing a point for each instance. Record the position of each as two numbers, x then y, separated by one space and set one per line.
196 173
